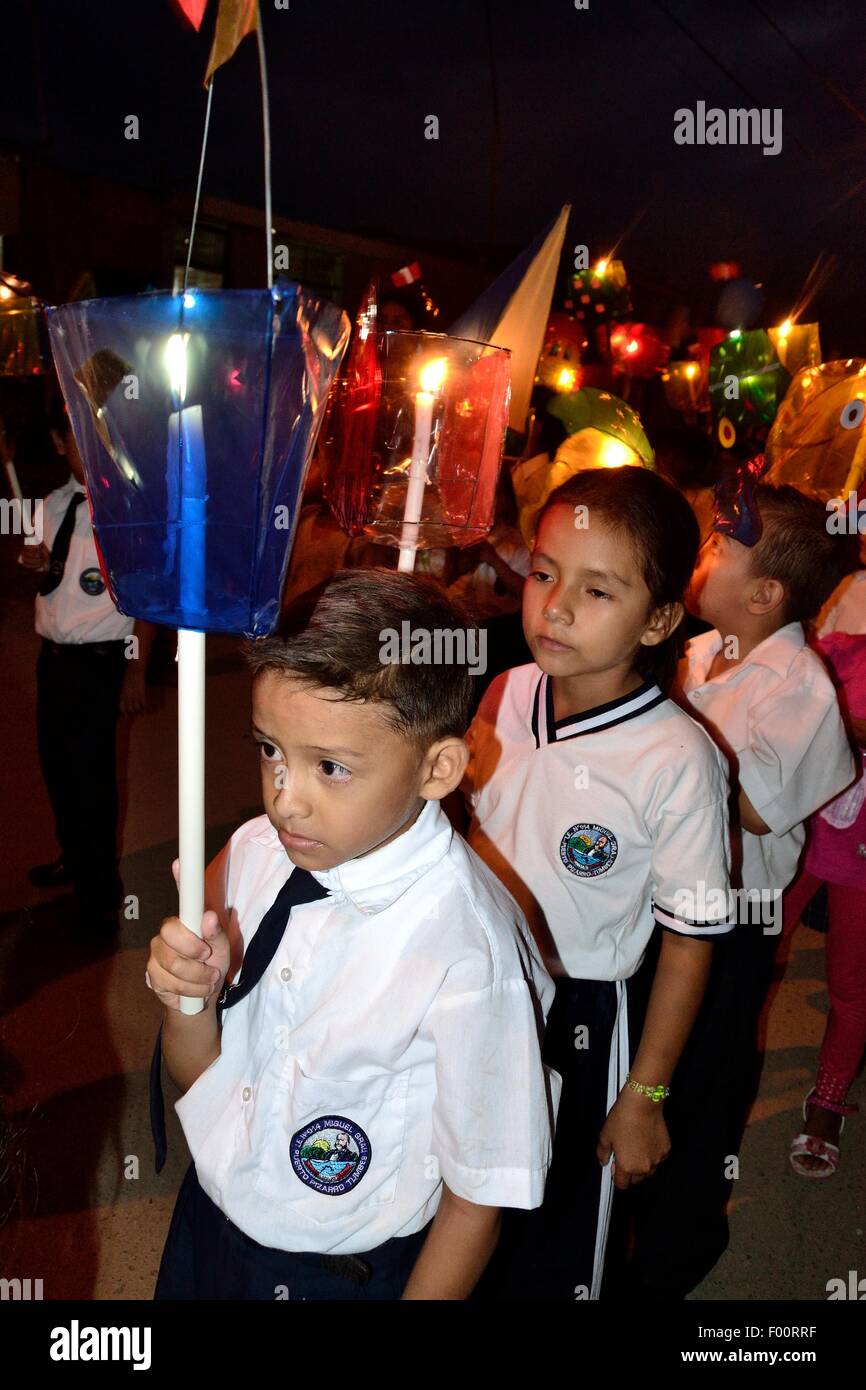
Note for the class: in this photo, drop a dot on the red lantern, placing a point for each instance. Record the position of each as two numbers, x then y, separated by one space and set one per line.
559 364
637 349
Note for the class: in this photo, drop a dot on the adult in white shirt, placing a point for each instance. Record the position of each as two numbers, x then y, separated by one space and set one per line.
89 671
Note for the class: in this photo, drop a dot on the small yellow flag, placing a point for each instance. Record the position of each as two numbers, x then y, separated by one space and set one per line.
235 19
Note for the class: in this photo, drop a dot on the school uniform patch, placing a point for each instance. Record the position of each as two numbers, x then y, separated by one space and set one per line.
330 1154
588 850
92 582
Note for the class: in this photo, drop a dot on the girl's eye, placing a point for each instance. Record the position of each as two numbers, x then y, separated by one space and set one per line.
270 753
540 575
598 593
334 772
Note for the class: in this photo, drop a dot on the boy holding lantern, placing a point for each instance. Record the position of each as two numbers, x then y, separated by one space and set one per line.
374 1093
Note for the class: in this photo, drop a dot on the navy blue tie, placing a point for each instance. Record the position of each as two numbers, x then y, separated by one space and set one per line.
60 549
301 887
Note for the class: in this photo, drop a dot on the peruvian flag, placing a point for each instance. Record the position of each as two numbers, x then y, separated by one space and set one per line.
408 275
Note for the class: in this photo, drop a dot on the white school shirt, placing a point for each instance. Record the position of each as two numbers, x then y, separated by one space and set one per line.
600 824
392 1043
776 716
80 609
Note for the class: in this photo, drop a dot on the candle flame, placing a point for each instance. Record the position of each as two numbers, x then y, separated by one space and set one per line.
566 379
601 266
784 328
692 369
433 374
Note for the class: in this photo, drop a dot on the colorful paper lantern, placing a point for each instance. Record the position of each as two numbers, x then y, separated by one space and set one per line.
195 415
797 345
413 439
20 335
818 440
735 509
609 417
747 384
638 350
600 293
559 364
603 432
685 386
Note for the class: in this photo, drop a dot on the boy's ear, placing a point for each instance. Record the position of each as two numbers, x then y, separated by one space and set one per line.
444 766
765 596
663 622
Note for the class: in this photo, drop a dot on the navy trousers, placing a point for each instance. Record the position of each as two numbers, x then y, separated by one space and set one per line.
549 1254
207 1257
77 701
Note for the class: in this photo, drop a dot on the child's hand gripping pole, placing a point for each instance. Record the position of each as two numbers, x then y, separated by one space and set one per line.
190 768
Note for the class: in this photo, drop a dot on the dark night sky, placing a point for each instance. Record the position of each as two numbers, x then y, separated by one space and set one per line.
586 101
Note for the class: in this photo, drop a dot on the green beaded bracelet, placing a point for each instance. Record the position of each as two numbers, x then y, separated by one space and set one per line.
655 1093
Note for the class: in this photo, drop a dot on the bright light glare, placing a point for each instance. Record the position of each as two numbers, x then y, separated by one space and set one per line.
614 454
175 361
433 374
566 379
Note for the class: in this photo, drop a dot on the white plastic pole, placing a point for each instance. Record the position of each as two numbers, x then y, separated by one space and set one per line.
190 773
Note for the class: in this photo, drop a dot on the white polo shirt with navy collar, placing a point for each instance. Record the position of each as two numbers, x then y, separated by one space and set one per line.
393 1042
776 716
600 824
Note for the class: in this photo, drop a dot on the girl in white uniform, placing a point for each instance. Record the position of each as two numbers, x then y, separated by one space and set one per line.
603 808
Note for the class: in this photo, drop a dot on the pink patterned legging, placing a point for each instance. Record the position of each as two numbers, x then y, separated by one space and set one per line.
845 1035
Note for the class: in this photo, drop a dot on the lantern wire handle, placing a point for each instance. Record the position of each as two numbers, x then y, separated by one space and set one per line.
198 185
266 134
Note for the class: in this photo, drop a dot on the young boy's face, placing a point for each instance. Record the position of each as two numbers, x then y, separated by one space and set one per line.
722 582
337 780
586 605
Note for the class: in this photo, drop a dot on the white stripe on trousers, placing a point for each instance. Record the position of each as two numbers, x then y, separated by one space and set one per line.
617 1069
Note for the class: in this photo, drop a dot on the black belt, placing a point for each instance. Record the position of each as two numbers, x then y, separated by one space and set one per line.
70 649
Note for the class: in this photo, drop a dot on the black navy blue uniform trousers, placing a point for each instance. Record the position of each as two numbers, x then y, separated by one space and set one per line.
680 1217
547 1254
207 1257
77 705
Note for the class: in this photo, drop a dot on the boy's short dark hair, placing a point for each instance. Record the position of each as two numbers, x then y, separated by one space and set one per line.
797 549
340 647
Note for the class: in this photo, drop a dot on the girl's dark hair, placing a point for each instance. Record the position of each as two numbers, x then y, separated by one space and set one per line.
661 527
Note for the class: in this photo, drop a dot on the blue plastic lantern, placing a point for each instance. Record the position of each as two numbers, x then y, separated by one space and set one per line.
196 415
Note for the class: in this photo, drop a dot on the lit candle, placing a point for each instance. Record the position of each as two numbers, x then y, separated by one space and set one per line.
431 378
692 371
